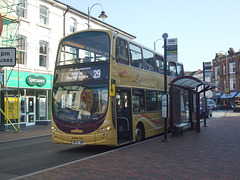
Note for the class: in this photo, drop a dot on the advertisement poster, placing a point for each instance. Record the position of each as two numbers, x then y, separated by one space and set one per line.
42 106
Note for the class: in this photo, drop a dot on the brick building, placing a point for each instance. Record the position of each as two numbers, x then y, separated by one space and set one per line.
226 74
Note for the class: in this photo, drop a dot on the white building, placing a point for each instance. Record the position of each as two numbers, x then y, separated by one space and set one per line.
208 78
35 27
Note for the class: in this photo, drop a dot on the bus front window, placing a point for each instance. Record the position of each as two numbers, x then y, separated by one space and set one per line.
84 47
78 104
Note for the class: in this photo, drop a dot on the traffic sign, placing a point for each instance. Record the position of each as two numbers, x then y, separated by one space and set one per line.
7 57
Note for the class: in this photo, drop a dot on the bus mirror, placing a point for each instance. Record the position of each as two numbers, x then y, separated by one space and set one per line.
112 88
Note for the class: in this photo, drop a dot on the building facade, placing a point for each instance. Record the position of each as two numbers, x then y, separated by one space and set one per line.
226 74
208 78
35 28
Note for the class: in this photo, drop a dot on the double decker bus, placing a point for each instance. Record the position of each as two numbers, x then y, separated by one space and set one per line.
106 90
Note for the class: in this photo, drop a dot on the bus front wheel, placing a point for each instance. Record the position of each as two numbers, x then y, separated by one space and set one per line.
139 133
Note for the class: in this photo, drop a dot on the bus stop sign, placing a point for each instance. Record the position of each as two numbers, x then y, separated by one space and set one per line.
7 57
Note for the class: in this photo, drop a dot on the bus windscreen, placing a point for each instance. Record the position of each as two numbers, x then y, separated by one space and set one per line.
84 47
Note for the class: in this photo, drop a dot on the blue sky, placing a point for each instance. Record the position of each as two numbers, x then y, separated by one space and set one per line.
203 28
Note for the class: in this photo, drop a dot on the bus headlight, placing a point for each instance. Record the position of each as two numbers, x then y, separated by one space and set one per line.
104 129
54 129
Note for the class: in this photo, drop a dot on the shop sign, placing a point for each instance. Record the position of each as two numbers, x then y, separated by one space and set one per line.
33 80
227 91
28 80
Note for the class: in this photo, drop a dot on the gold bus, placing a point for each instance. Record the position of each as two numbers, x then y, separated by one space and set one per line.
106 90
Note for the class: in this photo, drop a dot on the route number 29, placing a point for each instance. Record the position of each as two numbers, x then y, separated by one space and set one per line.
97 73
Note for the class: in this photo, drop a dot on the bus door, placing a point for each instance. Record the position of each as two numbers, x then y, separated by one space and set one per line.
124 115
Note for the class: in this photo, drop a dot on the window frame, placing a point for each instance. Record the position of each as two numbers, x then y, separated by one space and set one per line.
139 53
119 55
21 51
42 16
232 84
148 63
159 69
42 54
223 69
150 103
73 25
141 108
232 67
217 71
21 8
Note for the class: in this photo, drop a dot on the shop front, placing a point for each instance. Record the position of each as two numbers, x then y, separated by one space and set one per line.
32 93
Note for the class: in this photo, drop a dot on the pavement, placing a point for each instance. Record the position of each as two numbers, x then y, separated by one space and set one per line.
24 133
214 153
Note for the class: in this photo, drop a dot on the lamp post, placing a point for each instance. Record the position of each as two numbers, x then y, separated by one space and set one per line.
102 15
226 85
155 42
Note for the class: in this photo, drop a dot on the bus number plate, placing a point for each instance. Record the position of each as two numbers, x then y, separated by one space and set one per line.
78 142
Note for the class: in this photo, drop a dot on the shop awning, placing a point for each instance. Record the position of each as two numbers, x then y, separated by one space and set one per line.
228 96
238 94
215 97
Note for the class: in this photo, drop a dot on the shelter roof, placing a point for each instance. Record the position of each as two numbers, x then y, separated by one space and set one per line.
191 83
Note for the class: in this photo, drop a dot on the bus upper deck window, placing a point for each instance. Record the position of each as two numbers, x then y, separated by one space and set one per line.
148 60
136 56
122 51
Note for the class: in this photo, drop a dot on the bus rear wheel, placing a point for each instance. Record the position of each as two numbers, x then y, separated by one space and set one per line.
139 133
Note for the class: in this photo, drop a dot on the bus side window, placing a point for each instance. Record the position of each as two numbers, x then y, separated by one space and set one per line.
180 71
151 101
122 51
160 100
172 70
138 101
136 56
159 64
148 60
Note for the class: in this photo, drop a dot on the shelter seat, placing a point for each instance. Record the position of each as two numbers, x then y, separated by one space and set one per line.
178 128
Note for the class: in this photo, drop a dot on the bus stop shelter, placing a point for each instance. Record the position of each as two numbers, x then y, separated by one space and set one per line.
194 86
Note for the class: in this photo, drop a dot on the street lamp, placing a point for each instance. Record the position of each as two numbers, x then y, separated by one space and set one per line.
155 42
226 85
102 15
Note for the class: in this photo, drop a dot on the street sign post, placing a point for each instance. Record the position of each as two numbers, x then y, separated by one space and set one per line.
172 54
